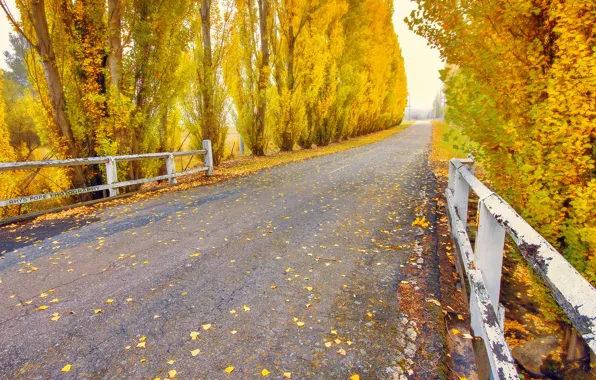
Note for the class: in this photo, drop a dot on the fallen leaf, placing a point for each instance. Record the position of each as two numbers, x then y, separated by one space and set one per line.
109 301
141 344
264 372
207 326
287 375
194 335
355 377
300 324
432 300
195 352
171 361
273 287
337 341
246 308
328 344
66 368
229 369
233 332
43 307
172 373
341 351
97 311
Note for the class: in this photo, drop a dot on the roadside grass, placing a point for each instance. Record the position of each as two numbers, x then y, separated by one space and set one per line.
235 167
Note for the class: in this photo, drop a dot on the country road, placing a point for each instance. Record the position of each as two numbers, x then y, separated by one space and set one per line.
292 270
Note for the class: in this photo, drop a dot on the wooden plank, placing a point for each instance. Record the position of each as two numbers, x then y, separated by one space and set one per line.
486 325
6 166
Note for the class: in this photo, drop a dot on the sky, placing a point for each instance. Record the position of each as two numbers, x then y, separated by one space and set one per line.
422 62
5 28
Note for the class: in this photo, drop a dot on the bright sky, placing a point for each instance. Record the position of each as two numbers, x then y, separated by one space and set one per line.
422 62
5 28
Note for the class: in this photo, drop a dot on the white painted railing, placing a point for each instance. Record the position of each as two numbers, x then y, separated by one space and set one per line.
481 266
110 162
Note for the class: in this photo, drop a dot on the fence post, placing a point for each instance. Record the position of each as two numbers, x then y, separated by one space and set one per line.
461 192
112 175
208 157
171 168
488 252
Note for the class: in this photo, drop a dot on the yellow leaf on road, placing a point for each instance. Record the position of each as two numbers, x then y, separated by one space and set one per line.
300 324
328 344
109 301
172 373
341 351
246 308
287 375
264 372
273 287
206 326
229 369
309 288
355 377
194 335
195 352
141 345
66 368
42 307
97 311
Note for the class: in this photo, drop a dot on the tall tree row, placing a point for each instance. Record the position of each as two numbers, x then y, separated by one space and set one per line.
523 88
138 76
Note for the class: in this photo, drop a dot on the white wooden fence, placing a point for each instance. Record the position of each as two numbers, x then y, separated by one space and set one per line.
481 267
110 162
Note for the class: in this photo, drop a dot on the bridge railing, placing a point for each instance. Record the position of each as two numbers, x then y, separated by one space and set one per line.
112 184
480 267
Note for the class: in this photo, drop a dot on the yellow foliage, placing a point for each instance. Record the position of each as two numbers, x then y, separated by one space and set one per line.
521 84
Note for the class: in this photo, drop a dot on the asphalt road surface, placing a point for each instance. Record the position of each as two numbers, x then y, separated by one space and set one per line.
292 270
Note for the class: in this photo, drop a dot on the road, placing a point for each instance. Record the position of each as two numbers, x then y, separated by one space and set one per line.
292 270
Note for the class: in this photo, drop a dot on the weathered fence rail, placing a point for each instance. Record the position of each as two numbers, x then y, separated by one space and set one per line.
112 183
480 268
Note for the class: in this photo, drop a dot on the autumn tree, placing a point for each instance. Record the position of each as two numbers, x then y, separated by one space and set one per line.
523 89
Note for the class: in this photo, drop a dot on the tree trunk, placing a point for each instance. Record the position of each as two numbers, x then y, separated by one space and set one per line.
115 41
263 78
45 49
210 127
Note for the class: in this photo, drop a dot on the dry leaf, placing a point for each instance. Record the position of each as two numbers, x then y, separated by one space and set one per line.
328 344
341 351
246 308
66 368
194 335
229 369
97 311
300 324
42 307
264 372
195 352
207 326
287 375
141 344
109 301
355 377
172 373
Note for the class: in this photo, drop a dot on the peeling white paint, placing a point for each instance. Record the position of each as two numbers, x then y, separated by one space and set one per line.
572 292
